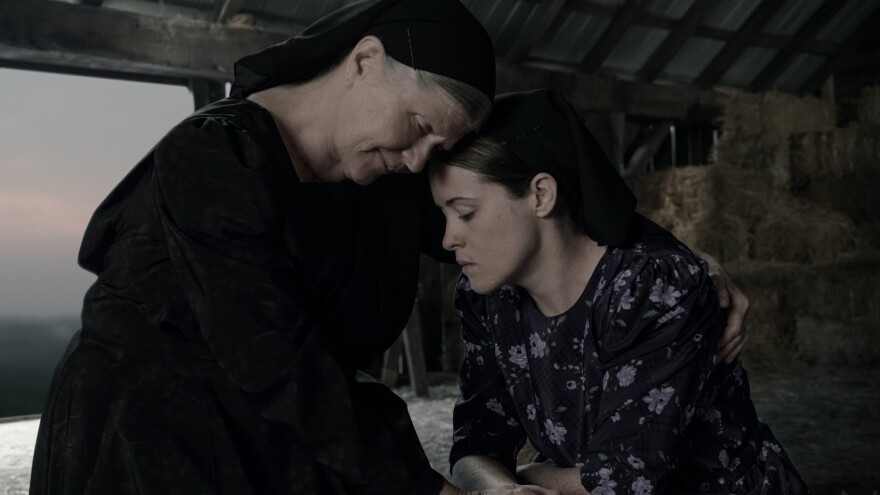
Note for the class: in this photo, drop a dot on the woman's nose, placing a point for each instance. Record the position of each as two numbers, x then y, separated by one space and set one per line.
451 240
415 157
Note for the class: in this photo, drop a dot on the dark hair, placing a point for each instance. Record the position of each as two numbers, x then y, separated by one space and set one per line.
492 160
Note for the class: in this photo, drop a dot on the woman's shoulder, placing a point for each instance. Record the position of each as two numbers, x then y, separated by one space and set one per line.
661 254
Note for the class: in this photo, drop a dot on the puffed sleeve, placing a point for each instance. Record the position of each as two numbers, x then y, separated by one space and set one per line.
658 324
484 421
221 197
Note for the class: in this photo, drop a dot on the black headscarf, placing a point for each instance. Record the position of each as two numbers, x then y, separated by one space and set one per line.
543 129
438 36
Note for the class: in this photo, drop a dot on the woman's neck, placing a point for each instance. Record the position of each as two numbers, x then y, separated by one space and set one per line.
562 270
300 113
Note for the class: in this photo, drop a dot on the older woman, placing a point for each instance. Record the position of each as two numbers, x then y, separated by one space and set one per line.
588 329
254 260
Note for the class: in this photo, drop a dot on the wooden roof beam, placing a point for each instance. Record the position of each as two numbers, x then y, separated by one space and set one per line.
673 42
622 20
606 93
81 39
733 49
814 24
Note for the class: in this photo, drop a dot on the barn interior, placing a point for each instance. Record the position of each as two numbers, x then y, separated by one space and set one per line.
749 128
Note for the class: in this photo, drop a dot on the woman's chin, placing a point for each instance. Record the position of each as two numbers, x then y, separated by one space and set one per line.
483 287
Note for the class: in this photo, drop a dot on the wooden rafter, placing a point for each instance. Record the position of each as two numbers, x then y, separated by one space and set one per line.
622 20
543 17
79 39
814 24
849 47
733 49
646 151
605 93
676 38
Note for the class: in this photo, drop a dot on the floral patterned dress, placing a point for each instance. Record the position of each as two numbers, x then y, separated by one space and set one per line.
624 385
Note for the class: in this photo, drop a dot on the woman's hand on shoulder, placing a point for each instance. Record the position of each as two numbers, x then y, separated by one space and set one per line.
729 297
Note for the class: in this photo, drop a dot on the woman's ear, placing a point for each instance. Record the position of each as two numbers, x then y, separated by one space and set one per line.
543 190
368 56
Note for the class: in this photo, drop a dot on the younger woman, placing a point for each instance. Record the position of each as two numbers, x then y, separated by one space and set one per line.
588 329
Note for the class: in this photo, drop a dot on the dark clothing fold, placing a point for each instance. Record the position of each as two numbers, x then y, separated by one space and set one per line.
233 307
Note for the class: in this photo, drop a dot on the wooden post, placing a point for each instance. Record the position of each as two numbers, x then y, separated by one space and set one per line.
390 364
410 343
415 354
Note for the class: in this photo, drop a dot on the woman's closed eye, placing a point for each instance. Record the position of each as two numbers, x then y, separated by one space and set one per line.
465 216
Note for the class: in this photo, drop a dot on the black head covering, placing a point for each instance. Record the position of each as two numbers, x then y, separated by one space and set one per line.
439 36
543 129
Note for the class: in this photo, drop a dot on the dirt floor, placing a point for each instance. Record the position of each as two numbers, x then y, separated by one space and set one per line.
827 418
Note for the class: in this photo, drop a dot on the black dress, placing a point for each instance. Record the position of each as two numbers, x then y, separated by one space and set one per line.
623 385
233 306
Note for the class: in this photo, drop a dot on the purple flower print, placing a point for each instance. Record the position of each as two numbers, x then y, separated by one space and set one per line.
664 293
538 345
518 356
495 406
555 433
635 462
669 315
658 398
626 301
641 486
626 375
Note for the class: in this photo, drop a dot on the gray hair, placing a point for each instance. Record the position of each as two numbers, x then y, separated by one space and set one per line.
472 101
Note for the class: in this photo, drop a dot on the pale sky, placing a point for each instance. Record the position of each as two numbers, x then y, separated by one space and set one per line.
65 141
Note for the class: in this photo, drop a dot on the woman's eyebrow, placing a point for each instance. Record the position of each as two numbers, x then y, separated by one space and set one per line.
451 201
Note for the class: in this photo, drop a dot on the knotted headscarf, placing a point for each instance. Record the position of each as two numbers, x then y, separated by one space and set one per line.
543 129
438 36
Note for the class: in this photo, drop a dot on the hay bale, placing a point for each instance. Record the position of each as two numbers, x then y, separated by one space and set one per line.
756 130
795 308
734 214
802 233
770 322
839 170
841 291
853 196
767 153
777 114
836 153
869 106
832 342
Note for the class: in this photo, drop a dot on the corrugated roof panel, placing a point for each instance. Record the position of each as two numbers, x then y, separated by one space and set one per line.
674 9
634 48
493 16
792 16
692 59
573 40
730 14
513 25
798 71
196 4
303 12
748 66
847 20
